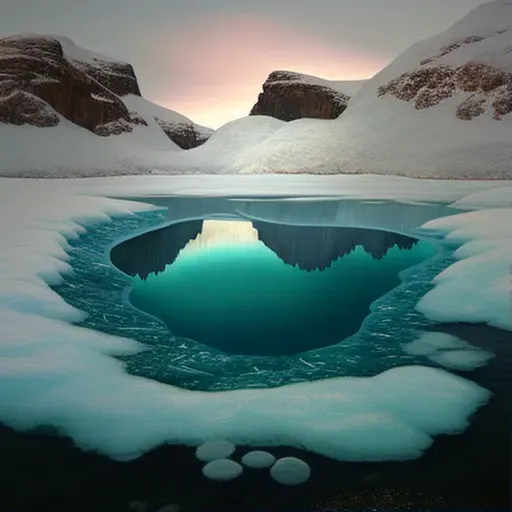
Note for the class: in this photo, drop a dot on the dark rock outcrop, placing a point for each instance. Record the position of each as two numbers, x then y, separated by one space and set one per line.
118 77
432 83
185 135
37 82
288 96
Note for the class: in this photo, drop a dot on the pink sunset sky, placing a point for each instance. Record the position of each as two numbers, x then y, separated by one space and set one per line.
208 59
228 60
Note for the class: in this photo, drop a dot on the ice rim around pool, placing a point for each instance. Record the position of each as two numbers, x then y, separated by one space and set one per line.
98 288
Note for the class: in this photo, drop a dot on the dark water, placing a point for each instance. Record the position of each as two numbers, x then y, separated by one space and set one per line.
471 471
243 299
467 472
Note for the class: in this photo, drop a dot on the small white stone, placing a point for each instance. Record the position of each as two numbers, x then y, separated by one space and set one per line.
290 471
222 470
215 450
258 459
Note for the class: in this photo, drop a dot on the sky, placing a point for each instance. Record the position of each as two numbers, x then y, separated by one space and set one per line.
208 59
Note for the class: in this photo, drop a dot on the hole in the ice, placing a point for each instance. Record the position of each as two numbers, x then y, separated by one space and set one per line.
257 288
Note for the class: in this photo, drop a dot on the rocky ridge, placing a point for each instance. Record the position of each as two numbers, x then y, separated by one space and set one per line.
288 96
40 83
489 87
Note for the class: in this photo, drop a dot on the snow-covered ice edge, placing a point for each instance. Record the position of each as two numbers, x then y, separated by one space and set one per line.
52 372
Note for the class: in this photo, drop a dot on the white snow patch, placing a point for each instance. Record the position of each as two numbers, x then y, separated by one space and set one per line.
494 198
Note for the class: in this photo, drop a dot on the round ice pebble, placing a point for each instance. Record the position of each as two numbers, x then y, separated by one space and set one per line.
258 459
290 471
215 450
222 470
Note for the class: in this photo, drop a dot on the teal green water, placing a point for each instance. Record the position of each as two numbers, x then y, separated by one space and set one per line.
243 299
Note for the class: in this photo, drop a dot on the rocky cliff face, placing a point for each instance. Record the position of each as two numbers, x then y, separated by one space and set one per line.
186 135
37 83
43 78
287 96
488 86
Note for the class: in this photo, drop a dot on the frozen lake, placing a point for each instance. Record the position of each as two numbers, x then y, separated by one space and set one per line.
408 405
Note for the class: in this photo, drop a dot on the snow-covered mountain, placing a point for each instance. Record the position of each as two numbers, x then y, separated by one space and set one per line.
442 109
67 111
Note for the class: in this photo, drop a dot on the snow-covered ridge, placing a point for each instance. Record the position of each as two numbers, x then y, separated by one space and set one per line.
288 95
441 110
346 87
461 131
105 104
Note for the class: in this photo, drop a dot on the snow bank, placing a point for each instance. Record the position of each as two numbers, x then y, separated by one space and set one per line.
478 288
217 154
67 150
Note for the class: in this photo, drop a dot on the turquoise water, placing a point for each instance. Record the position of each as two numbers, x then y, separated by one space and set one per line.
101 291
242 299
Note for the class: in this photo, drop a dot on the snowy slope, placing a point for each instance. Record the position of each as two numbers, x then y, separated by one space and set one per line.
149 111
384 134
217 154
74 52
68 150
